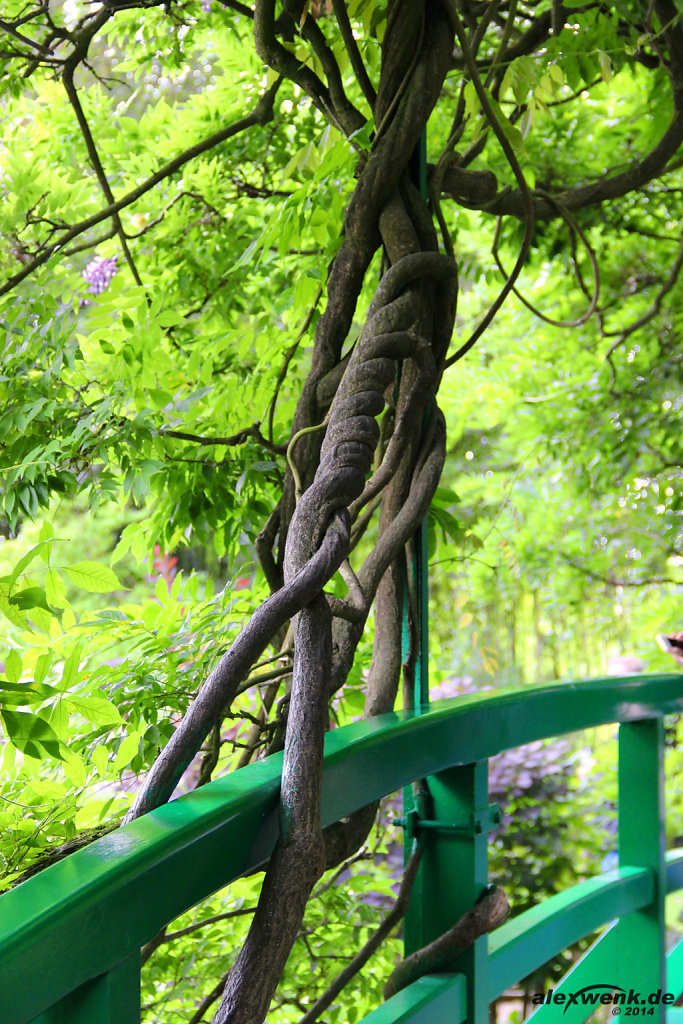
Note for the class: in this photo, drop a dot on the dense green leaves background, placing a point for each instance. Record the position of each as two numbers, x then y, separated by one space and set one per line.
130 511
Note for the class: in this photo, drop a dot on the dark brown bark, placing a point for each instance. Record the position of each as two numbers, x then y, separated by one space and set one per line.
219 689
333 468
397 364
488 913
299 859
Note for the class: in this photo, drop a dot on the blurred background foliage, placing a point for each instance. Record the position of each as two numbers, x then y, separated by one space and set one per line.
127 562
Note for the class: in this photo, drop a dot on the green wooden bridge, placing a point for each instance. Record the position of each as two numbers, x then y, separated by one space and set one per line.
70 937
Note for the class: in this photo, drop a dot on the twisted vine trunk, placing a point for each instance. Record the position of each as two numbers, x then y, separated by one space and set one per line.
393 372
366 429
397 363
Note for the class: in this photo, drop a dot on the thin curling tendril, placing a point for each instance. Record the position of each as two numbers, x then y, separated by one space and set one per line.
576 230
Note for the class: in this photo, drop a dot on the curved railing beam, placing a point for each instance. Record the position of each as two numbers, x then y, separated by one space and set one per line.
521 945
85 914
433 999
541 932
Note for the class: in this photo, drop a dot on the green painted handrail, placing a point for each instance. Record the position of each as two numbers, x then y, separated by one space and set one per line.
88 913
516 948
562 920
434 999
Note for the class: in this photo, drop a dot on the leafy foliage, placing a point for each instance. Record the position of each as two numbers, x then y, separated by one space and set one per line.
193 200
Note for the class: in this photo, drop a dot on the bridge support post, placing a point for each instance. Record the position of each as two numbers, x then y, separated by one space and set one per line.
641 934
113 998
453 872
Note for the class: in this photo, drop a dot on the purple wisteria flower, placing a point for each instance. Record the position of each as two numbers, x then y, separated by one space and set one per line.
99 273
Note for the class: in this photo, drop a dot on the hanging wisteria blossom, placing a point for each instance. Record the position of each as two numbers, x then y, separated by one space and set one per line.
99 273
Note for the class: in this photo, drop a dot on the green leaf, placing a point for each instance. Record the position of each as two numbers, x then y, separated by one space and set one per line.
75 770
13 666
128 749
444 497
512 134
471 99
11 611
605 66
27 559
55 589
354 701
100 758
95 709
41 619
30 597
31 734
127 536
42 666
93 577
71 668
24 694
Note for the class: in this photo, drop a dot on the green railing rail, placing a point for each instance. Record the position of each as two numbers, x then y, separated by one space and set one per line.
70 937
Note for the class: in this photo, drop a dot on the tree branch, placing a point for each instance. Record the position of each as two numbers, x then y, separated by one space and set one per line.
235 5
490 911
191 928
271 50
391 920
219 689
349 118
612 582
362 77
595 193
405 523
74 100
298 860
289 355
652 312
234 439
208 1001
11 30
262 113
524 191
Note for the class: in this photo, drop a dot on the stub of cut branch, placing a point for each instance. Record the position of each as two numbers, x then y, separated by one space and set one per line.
490 911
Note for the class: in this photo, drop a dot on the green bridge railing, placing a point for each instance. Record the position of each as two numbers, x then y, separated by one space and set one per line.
70 937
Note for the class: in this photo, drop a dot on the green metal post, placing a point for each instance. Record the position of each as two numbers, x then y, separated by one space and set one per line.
454 868
454 872
411 802
422 576
422 535
113 998
641 935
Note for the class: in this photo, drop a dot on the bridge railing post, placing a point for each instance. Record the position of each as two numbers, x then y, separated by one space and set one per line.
112 998
641 934
452 824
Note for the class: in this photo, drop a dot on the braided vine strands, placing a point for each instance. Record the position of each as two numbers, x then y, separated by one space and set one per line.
352 433
422 72
415 74
219 689
345 461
